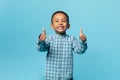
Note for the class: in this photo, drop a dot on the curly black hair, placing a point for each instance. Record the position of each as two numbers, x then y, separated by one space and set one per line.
62 13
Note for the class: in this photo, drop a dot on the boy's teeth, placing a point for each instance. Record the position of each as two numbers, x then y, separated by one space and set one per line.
60 27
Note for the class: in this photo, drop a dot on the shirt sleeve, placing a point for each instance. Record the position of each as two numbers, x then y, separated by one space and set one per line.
79 46
42 46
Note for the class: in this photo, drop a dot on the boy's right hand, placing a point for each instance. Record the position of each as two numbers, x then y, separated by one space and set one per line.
42 36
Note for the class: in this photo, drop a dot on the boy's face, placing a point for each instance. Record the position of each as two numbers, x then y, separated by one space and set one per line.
60 23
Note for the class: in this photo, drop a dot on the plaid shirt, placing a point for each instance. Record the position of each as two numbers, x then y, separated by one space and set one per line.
60 55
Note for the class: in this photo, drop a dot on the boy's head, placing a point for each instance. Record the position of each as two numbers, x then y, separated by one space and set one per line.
60 22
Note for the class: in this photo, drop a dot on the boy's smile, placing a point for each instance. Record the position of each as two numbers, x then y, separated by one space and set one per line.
60 28
60 23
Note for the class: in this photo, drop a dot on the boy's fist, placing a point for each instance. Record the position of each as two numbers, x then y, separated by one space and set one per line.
42 36
82 36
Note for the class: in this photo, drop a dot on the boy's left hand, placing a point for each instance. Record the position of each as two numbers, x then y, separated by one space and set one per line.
82 36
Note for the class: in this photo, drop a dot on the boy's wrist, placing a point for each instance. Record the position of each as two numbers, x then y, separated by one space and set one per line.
40 42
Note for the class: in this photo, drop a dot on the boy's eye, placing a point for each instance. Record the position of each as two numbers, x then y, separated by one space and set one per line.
56 21
64 21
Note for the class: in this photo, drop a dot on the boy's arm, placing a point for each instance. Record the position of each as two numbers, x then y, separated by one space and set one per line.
41 46
79 46
83 46
42 43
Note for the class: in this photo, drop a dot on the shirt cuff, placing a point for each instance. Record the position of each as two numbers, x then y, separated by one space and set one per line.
40 42
84 42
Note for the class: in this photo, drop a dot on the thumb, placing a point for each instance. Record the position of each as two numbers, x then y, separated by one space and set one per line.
81 32
44 31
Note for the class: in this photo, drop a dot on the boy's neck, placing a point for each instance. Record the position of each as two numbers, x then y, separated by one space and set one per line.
61 34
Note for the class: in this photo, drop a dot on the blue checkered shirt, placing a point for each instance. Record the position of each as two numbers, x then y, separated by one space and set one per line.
60 55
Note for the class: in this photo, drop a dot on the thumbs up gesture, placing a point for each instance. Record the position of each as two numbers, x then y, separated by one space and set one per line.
82 36
42 36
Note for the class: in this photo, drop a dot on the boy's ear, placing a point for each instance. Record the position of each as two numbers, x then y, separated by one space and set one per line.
68 26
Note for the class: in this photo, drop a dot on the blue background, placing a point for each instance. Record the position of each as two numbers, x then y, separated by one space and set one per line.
21 21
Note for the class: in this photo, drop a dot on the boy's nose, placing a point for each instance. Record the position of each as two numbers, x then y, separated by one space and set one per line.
60 22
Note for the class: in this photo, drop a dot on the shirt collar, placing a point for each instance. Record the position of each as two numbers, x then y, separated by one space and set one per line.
60 35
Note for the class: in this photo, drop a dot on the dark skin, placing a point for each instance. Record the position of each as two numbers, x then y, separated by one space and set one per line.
82 36
43 36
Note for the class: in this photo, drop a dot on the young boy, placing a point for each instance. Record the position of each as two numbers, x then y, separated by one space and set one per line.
60 48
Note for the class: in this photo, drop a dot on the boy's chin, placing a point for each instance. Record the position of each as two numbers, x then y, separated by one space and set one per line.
59 32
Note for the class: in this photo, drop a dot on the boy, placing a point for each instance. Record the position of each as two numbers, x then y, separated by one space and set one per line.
60 48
